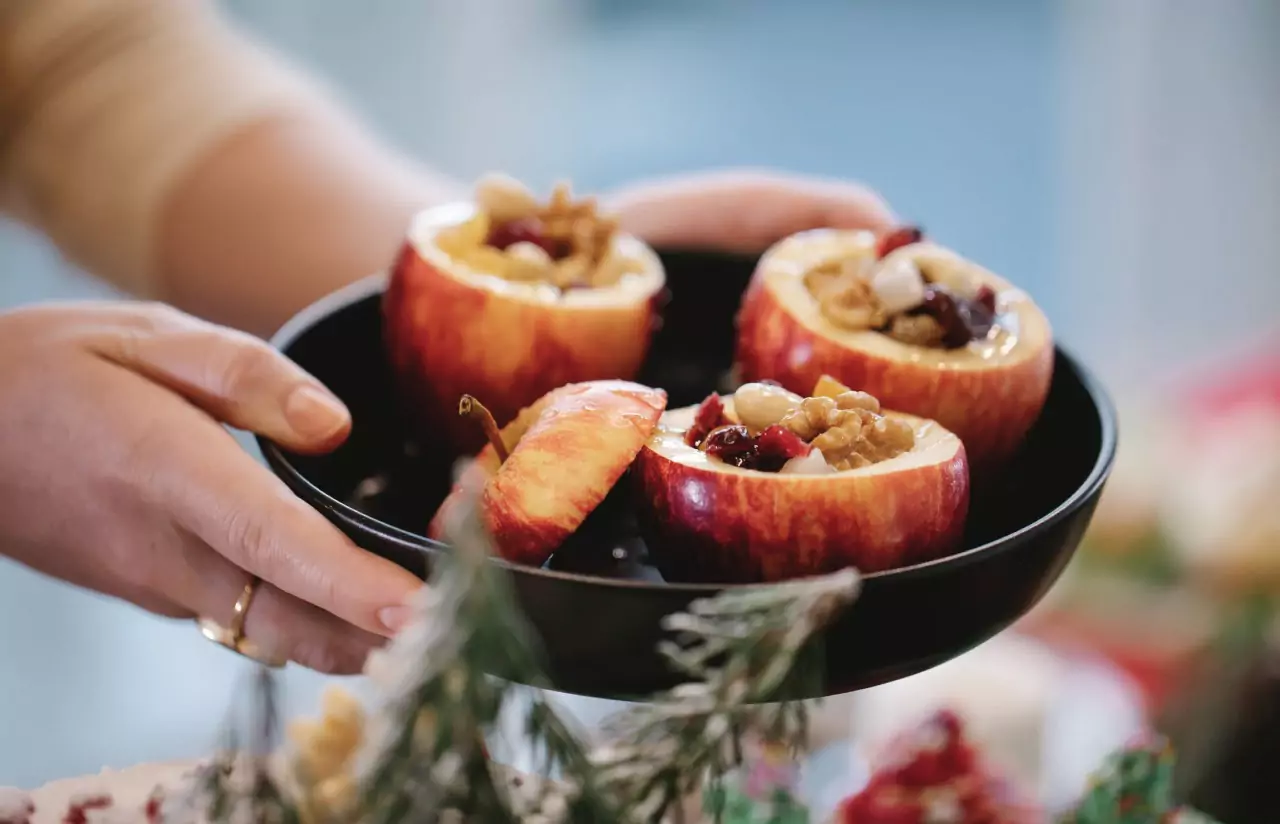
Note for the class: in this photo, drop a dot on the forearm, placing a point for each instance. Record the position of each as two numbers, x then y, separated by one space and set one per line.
282 214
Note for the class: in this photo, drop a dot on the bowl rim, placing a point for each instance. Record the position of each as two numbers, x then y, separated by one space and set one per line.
372 285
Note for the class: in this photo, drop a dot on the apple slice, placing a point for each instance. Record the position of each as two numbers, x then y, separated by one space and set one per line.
708 520
989 391
455 324
566 452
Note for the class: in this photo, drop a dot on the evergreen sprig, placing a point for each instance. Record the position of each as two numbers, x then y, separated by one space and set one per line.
427 753
740 648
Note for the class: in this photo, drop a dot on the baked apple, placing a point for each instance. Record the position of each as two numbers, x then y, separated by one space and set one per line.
768 485
917 326
508 298
543 473
933 775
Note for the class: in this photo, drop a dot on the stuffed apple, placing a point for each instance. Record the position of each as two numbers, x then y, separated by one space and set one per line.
768 485
508 297
915 325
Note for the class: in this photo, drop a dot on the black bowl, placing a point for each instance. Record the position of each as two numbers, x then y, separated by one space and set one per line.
597 604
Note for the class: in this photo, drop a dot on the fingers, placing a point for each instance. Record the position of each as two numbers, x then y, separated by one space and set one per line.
744 211
222 496
280 625
238 379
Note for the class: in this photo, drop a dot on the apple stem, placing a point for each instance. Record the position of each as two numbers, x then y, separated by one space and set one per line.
469 407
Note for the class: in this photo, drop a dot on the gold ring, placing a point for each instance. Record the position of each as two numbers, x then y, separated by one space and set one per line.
232 636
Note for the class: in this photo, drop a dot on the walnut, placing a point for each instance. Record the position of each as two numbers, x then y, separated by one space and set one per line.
849 430
571 271
854 399
845 298
811 418
862 438
918 330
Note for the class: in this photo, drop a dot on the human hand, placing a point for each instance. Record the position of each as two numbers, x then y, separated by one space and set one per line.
743 210
117 475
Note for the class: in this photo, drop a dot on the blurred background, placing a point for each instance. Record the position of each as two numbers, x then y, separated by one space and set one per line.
1118 160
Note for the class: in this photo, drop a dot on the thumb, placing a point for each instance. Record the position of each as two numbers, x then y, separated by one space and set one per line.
238 379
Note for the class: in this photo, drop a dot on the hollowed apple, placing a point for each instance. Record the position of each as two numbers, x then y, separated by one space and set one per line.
566 452
453 329
989 392
706 520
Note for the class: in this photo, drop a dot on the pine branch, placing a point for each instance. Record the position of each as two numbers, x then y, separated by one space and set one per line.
692 735
427 752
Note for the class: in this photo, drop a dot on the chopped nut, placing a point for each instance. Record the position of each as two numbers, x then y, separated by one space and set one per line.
918 330
850 303
853 399
839 443
561 200
572 271
504 198
811 418
528 261
849 430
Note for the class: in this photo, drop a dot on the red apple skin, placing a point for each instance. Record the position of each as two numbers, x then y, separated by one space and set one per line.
991 408
447 337
567 451
713 526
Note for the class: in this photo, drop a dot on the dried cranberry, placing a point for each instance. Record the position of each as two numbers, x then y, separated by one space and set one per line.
776 445
943 307
978 319
897 238
77 810
734 445
987 297
710 415
525 230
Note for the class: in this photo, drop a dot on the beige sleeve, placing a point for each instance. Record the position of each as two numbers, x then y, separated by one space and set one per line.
104 104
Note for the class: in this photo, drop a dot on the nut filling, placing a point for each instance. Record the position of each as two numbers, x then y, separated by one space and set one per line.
773 430
893 295
564 242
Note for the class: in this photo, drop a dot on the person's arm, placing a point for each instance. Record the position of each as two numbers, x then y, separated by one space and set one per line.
170 155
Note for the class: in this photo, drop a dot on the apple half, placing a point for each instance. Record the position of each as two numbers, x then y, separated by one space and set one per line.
452 328
989 392
566 451
709 521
